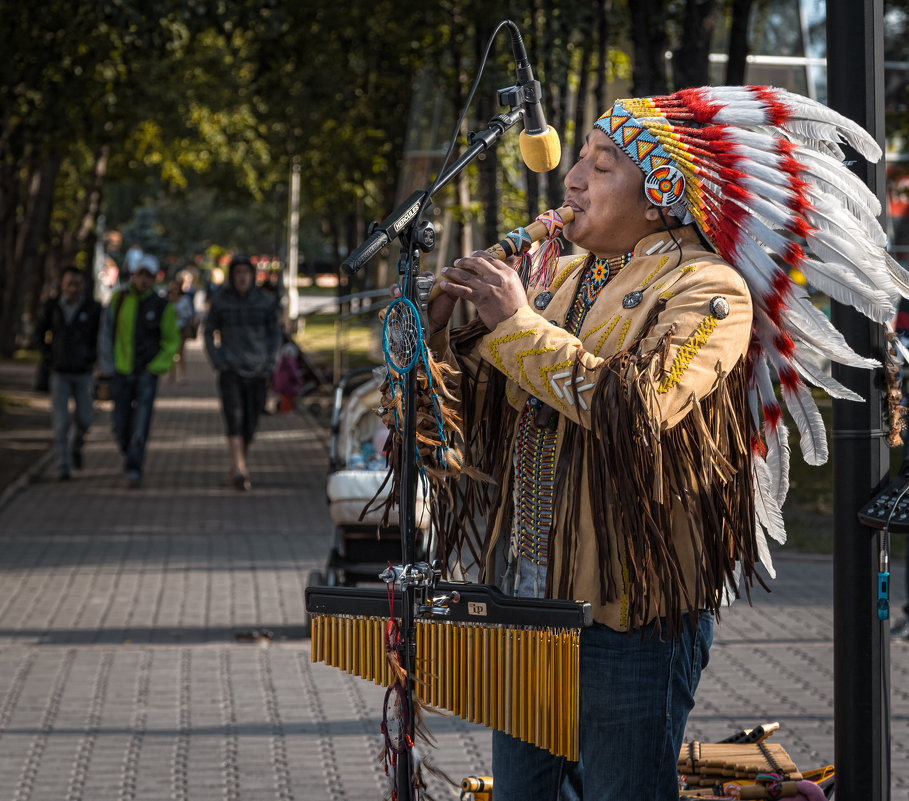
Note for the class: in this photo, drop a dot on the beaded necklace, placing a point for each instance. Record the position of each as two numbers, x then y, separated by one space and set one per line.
597 273
534 456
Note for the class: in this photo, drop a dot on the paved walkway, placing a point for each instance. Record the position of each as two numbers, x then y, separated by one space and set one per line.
122 675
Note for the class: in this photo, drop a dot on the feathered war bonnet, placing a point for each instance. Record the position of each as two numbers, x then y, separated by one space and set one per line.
760 172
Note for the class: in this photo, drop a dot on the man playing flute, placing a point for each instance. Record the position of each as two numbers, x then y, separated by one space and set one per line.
625 410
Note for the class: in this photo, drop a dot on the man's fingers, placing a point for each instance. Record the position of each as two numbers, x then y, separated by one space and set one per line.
459 275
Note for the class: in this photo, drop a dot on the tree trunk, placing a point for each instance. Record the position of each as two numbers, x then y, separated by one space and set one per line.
9 199
39 204
738 42
691 61
650 44
603 8
85 233
581 126
488 161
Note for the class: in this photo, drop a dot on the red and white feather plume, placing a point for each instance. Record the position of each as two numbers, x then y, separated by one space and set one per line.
765 183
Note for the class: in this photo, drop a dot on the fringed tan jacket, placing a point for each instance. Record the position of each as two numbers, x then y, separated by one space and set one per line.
654 507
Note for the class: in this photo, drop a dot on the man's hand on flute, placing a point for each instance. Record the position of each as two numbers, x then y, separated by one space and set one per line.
492 285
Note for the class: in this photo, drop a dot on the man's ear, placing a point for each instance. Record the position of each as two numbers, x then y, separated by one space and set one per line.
652 213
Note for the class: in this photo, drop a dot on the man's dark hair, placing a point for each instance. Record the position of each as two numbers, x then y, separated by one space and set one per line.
71 268
237 260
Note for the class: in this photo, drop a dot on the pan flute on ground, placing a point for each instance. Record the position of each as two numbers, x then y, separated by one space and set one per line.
708 764
507 663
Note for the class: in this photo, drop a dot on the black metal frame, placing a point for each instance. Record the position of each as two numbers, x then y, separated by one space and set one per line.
861 646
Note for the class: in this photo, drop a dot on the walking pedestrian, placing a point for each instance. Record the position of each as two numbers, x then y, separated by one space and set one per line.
186 324
68 333
246 320
139 338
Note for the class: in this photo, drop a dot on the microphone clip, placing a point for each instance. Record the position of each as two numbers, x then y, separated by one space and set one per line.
521 95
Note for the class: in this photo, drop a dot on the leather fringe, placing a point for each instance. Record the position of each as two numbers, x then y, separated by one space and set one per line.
635 473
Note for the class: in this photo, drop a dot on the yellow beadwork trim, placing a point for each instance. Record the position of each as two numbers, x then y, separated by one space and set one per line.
596 328
623 611
656 269
520 356
623 335
569 269
544 375
690 268
494 348
607 332
667 295
687 352
512 399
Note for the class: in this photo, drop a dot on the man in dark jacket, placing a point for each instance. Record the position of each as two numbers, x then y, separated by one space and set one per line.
139 338
68 334
247 322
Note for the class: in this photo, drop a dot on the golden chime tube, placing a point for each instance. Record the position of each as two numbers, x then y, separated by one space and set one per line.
522 681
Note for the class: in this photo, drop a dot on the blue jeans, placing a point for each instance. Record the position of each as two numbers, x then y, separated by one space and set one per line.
134 399
62 386
635 696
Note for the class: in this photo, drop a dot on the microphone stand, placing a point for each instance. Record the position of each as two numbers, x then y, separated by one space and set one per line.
417 235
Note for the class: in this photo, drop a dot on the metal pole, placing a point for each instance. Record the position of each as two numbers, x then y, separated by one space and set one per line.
293 247
861 655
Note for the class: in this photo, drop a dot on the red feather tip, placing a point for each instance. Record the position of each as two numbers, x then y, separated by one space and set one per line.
784 344
778 113
782 284
702 110
772 415
758 446
793 254
789 379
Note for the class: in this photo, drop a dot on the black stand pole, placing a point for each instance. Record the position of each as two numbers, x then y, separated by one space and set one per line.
861 647
406 223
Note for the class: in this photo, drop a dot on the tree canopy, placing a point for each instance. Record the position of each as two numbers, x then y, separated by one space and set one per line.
178 120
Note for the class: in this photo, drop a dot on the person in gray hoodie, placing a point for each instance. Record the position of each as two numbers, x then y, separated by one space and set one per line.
246 319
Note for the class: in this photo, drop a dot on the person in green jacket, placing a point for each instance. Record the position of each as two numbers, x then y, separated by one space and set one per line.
139 338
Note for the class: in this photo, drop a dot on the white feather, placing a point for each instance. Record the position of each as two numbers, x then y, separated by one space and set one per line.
848 288
815 375
898 275
775 437
832 247
826 172
768 514
827 212
778 454
807 323
808 420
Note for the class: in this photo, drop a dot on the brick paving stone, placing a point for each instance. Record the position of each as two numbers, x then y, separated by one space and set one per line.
121 675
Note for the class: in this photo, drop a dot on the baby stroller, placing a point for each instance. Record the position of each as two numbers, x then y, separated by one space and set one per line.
362 548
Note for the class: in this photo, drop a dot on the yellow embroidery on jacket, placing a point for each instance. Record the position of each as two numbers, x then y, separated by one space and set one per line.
690 268
622 336
667 295
521 355
687 352
612 324
494 348
569 269
623 612
656 269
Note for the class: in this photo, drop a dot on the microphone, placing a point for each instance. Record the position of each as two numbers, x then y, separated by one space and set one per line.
540 146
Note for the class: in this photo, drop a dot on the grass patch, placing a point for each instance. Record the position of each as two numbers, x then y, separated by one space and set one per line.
354 344
27 356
